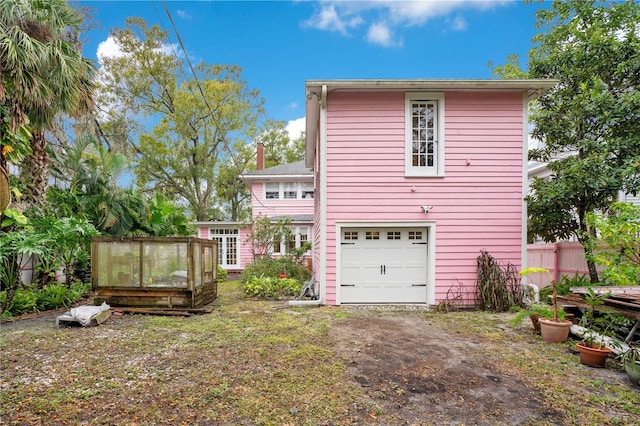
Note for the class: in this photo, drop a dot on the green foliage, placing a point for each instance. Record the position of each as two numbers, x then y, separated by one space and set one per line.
542 310
53 296
222 274
618 244
271 288
498 286
265 235
563 287
274 267
196 121
30 299
25 301
590 122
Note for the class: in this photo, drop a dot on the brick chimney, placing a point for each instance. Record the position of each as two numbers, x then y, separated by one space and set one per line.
260 156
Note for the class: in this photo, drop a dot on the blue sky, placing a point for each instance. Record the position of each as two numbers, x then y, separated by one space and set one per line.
280 44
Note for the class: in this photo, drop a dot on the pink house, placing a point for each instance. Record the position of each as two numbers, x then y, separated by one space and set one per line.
413 178
284 191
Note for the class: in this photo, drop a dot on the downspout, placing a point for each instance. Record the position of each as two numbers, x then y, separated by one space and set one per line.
529 288
322 161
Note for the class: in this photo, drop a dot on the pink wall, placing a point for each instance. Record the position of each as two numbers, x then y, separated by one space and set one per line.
476 205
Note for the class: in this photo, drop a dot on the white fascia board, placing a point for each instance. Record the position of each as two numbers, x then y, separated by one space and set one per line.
533 87
297 178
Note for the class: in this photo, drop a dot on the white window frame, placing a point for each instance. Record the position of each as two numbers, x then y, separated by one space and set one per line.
300 189
438 168
297 233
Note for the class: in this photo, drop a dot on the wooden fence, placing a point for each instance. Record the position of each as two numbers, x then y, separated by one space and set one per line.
562 258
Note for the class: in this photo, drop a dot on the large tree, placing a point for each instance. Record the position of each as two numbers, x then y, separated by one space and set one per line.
590 122
196 119
43 74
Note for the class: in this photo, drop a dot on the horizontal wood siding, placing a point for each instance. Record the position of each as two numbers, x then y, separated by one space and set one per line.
476 205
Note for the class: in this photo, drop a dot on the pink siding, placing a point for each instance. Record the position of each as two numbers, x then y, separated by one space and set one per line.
270 208
476 205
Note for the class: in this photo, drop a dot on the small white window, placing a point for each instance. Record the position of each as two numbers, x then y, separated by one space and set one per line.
290 190
424 134
307 190
272 191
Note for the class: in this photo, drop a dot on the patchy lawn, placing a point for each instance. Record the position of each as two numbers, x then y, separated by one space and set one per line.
260 363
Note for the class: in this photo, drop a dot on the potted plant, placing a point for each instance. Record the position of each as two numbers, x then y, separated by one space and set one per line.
592 349
554 330
631 360
535 312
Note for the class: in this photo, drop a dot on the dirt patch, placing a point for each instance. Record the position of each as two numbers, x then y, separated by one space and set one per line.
259 362
416 372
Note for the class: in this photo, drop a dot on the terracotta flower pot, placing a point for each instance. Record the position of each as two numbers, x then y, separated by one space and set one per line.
593 356
554 331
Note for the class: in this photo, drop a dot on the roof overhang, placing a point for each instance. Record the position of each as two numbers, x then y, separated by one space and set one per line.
249 179
314 90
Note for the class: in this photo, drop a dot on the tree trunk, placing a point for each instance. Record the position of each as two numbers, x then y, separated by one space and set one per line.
593 271
36 171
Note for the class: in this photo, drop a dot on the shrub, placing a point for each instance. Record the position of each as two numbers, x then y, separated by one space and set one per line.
53 296
25 301
222 274
272 268
271 288
498 287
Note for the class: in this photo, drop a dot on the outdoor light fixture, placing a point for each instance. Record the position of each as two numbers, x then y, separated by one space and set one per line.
426 208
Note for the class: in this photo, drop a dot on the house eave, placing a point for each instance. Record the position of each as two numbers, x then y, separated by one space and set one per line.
276 177
532 86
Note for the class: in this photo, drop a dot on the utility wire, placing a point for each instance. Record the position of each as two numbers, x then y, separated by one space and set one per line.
225 143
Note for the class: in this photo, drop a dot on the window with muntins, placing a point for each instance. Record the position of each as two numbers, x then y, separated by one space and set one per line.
288 190
424 132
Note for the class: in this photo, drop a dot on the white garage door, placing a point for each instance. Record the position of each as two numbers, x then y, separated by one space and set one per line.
383 265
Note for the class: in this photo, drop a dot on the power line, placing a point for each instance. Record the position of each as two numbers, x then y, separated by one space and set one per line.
211 112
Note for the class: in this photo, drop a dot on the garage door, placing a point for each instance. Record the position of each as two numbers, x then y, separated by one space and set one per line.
383 265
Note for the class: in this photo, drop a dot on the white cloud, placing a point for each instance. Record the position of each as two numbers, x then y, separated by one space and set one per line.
293 105
380 33
459 24
295 127
328 19
183 14
344 15
108 48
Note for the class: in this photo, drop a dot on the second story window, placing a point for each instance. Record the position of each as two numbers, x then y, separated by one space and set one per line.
288 190
272 191
424 132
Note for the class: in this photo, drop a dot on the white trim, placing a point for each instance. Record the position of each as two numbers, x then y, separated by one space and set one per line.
431 250
322 228
525 178
438 169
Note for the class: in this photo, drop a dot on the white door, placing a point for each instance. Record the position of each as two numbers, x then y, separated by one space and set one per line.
383 265
227 239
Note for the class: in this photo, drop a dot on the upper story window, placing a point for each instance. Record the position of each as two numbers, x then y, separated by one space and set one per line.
424 134
288 190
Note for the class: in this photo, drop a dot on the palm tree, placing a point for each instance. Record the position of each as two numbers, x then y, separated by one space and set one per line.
43 74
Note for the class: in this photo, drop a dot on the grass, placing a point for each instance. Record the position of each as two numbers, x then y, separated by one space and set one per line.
250 362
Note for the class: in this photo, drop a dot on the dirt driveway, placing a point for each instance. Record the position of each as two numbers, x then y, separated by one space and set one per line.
397 366
417 373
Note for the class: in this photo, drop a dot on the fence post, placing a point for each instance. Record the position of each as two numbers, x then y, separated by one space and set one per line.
556 271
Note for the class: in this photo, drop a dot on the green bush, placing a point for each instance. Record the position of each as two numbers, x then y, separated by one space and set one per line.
25 301
222 274
272 268
54 296
271 288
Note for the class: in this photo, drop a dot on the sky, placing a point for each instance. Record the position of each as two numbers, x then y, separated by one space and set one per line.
281 44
